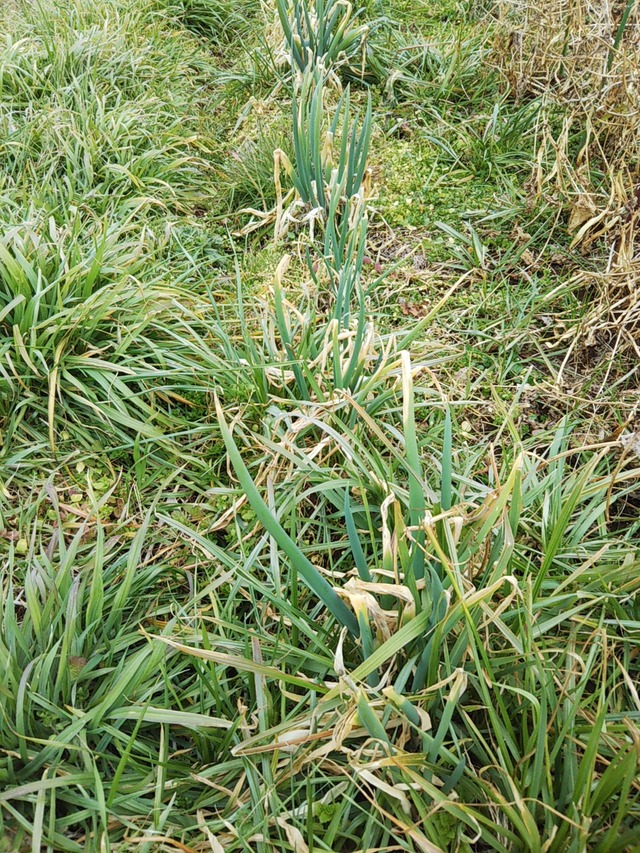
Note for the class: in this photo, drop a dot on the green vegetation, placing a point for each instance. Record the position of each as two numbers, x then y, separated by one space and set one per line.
318 464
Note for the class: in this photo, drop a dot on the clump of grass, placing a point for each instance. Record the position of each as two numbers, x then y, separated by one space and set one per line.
249 170
82 696
221 21
102 153
443 572
452 70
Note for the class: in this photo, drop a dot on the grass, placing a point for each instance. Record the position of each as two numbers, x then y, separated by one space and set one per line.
318 471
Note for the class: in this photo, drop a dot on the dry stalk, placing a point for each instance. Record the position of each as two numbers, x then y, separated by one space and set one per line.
583 58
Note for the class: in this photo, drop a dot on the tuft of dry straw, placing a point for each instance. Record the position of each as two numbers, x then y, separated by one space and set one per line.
583 58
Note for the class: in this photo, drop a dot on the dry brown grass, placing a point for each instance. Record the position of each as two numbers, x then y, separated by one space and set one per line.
583 58
564 50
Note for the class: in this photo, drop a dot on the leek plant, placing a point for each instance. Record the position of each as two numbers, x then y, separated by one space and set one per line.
331 35
306 354
329 170
327 157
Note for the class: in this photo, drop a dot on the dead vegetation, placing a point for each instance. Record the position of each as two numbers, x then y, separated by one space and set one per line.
583 58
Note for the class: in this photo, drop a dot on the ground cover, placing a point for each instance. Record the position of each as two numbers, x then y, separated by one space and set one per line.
318 463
